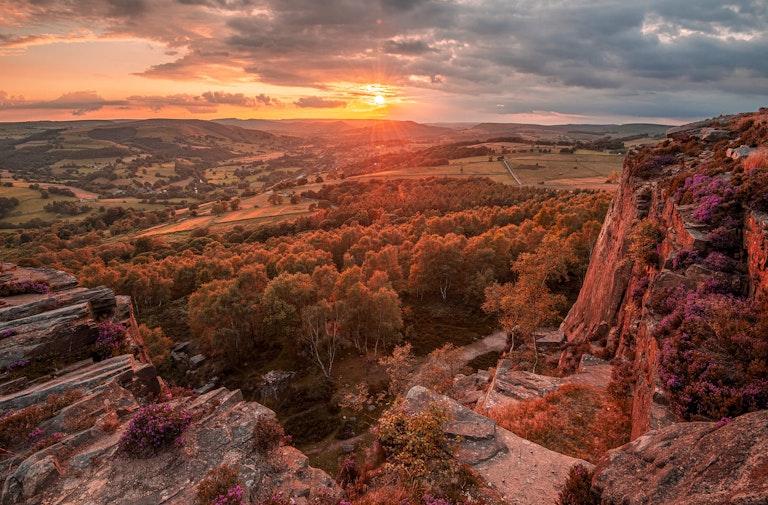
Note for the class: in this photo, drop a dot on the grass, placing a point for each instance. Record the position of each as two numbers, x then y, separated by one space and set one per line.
494 170
577 420
553 168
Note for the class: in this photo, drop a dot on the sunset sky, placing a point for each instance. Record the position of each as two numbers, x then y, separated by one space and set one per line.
542 61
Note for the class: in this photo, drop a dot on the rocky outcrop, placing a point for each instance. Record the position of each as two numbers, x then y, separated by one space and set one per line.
65 448
756 242
690 464
524 473
86 468
617 310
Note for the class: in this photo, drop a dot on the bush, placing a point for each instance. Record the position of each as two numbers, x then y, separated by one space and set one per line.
714 358
220 487
578 488
685 258
152 428
22 426
267 435
414 443
110 340
577 420
23 288
644 239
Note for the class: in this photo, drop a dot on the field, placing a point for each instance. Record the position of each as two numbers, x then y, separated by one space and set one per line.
197 161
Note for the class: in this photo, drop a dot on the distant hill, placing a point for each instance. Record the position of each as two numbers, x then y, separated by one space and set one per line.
349 129
567 132
173 129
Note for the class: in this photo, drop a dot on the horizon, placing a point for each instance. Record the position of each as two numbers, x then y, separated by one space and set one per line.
428 61
444 124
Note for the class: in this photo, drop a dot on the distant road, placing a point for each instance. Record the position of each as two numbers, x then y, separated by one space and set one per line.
509 169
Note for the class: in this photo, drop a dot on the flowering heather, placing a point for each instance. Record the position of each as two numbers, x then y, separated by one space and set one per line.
234 496
720 262
714 355
220 487
16 364
110 339
8 333
152 428
685 258
23 288
722 422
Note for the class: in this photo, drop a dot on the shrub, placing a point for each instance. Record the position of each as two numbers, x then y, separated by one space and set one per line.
17 427
414 443
714 357
577 420
267 435
753 188
644 239
685 258
720 262
578 488
152 428
23 288
110 339
220 487
16 364
727 236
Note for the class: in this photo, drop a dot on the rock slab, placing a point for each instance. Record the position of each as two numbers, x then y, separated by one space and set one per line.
690 464
523 472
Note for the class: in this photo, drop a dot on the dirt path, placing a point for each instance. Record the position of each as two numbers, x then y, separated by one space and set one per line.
493 342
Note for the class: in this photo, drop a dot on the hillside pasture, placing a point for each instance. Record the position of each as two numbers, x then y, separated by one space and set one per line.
556 169
479 166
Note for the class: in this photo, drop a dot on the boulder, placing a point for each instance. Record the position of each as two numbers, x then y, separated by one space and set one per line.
690 464
523 472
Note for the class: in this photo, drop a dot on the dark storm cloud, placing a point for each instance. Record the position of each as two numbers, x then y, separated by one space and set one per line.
127 7
407 47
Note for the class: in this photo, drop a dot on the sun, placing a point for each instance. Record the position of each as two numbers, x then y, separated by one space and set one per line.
379 100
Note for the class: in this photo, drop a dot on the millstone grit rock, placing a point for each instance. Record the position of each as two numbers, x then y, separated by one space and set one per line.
523 472
690 464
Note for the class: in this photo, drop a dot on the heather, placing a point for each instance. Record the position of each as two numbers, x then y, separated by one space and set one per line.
714 355
152 428
21 430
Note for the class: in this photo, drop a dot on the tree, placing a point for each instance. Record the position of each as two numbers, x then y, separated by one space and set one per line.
321 335
227 313
386 316
275 199
219 208
284 298
437 264
399 367
234 204
529 303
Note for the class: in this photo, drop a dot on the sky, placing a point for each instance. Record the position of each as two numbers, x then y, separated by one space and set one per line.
525 61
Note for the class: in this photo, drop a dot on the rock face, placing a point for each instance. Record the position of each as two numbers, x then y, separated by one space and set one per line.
690 464
523 472
70 454
617 308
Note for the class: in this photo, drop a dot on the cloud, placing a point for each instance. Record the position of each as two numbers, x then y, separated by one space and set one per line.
78 102
412 47
317 102
571 56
